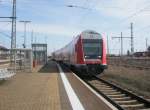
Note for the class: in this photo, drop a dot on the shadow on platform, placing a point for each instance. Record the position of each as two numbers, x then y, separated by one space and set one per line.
49 67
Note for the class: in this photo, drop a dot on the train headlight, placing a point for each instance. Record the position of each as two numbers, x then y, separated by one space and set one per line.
99 56
86 56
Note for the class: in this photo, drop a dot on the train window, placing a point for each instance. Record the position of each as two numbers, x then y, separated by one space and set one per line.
92 48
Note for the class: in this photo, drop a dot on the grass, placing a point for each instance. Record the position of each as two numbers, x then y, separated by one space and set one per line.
132 79
1 82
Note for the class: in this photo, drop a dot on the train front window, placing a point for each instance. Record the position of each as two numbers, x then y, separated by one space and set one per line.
92 48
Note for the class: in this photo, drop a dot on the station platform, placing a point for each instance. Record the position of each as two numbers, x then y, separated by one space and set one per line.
46 89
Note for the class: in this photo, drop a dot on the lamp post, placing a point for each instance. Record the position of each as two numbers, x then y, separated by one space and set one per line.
25 30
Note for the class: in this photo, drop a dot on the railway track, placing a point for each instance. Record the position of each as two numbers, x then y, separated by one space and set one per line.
119 97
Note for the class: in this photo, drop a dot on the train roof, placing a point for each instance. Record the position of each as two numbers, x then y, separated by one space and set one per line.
90 34
90 31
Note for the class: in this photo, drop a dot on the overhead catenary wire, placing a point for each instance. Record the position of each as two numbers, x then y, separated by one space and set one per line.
6 35
129 17
5 25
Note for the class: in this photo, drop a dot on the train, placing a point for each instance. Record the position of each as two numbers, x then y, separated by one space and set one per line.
86 53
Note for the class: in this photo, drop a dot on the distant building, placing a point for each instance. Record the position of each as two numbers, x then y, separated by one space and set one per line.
142 54
4 52
148 49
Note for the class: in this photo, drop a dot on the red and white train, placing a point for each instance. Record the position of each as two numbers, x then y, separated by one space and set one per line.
85 54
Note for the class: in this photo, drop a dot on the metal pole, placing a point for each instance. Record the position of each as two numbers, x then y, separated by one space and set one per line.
132 42
107 45
24 35
13 36
121 44
146 44
32 38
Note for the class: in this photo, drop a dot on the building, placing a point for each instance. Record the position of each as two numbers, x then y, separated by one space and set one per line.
39 54
142 54
4 52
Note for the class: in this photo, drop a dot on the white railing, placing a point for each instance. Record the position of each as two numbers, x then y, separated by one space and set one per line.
5 73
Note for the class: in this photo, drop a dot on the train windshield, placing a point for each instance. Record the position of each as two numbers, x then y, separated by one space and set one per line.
92 48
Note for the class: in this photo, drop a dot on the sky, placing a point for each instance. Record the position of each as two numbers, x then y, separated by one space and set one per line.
54 23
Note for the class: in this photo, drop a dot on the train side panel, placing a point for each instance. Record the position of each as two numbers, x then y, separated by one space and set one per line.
79 51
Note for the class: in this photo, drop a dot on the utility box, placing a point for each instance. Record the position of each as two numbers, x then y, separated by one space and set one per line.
39 54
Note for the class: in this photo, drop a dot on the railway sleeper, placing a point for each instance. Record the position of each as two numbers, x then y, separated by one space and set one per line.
122 98
94 82
100 86
98 83
116 95
112 93
145 109
109 90
104 89
148 99
127 101
133 105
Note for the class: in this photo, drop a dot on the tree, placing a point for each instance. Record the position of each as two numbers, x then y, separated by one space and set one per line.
148 49
128 53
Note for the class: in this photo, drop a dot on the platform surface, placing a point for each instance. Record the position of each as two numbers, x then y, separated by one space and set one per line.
31 91
44 90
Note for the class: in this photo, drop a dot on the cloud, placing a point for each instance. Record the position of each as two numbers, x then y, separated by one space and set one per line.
62 30
51 29
127 10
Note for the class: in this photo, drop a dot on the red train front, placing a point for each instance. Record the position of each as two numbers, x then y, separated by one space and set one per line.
85 54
